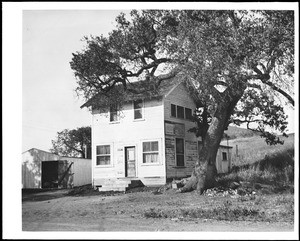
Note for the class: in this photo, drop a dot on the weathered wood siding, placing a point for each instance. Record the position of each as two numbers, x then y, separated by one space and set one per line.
128 132
223 166
178 128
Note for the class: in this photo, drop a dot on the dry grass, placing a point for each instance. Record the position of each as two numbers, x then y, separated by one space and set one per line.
252 149
263 208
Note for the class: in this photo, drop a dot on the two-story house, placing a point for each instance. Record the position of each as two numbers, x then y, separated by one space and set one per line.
147 139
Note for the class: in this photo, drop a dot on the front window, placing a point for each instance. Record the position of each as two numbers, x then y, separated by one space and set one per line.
114 113
150 152
179 152
103 155
138 109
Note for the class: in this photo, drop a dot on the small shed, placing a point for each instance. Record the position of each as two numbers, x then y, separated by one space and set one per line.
223 159
42 169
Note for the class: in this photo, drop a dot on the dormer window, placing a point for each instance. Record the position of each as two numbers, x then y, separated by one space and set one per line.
138 109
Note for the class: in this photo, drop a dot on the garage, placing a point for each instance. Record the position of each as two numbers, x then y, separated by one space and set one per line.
41 169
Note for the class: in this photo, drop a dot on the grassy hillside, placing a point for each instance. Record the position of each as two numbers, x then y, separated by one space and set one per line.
254 148
234 132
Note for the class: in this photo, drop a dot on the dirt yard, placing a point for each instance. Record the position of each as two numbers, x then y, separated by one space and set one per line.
148 210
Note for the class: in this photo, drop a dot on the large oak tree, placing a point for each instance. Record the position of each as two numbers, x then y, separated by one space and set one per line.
239 64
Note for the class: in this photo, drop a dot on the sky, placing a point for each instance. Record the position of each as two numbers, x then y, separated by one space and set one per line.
49 101
38 97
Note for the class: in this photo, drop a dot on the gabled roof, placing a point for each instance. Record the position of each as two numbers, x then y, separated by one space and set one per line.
36 149
148 92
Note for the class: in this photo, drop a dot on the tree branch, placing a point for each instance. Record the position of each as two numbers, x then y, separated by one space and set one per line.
274 87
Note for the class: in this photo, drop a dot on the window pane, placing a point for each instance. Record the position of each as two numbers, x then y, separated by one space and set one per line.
179 146
188 113
224 155
180 112
113 113
150 157
173 110
99 150
154 157
154 146
180 160
138 114
103 160
146 146
102 150
113 116
138 104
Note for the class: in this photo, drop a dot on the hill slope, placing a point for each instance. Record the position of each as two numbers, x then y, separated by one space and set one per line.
247 150
234 132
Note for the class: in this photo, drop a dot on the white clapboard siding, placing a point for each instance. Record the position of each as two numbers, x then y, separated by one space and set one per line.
32 168
32 165
81 169
129 132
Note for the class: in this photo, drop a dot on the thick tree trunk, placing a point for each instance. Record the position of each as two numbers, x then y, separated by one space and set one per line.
204 173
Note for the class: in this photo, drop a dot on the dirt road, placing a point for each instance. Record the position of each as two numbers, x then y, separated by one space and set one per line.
56 211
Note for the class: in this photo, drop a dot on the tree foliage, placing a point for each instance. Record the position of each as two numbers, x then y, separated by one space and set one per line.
239 57
72 143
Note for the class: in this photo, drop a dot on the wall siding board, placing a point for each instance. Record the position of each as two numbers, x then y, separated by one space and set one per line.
179 96
129 132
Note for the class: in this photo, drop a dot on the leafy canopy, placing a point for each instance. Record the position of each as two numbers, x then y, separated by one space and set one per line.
239 57
72 143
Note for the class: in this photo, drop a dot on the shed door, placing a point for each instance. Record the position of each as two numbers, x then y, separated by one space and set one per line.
130 162
49 174
225 162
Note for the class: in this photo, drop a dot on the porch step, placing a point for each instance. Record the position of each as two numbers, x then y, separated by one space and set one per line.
119 184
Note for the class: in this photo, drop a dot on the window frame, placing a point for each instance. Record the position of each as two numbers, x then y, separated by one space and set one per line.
177 111
224 153
115 111
141 109
174 110
181 154
151 152
185 114
110 155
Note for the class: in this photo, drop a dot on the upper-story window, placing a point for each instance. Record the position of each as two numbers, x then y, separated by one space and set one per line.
173 110
138 109
181 112
114 115
188 113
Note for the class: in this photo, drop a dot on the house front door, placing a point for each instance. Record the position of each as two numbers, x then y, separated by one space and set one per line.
130 162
